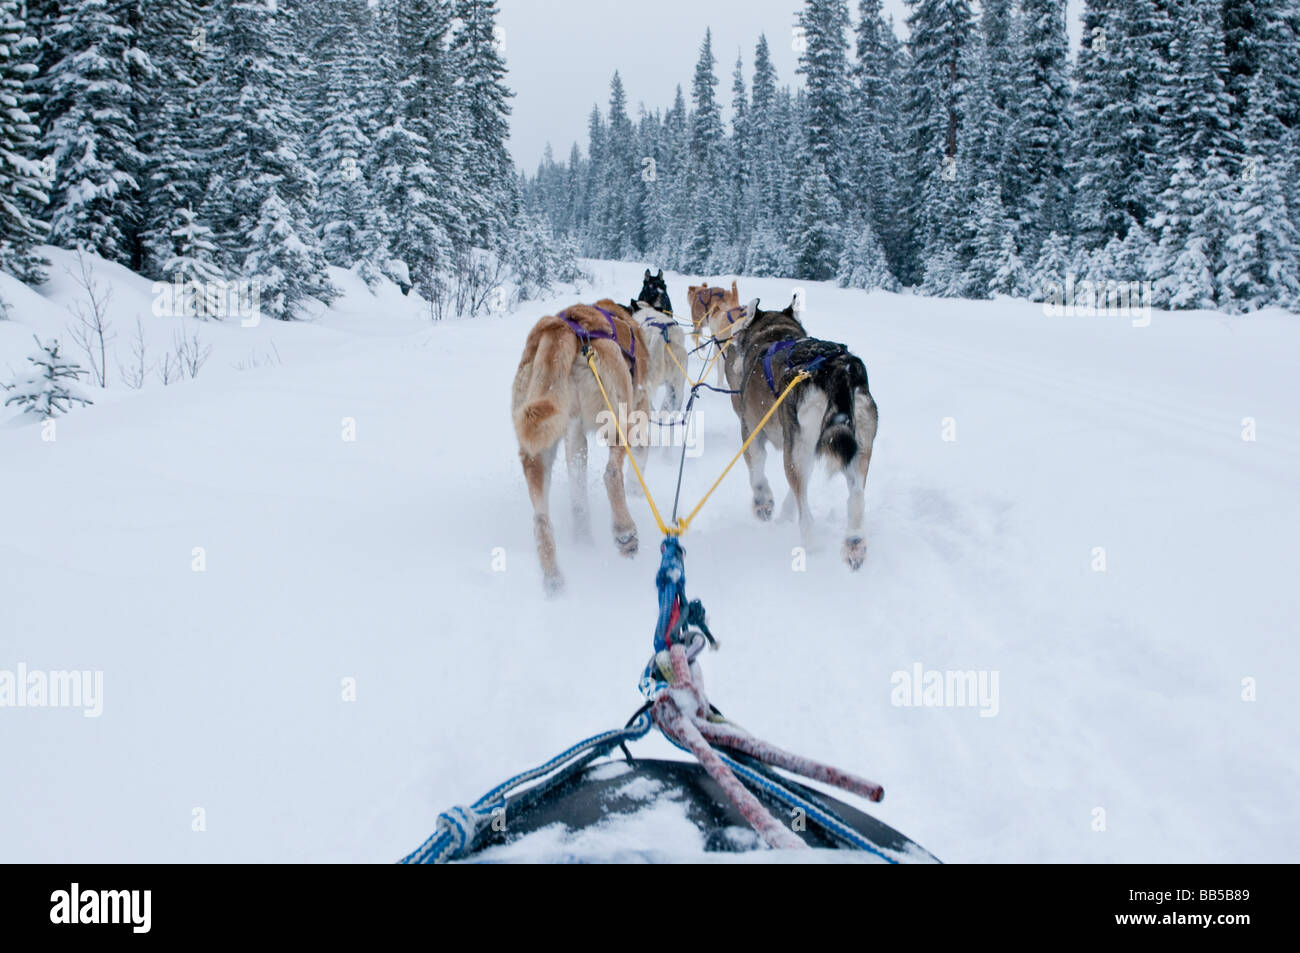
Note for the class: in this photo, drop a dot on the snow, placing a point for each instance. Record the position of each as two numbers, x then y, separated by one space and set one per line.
371 560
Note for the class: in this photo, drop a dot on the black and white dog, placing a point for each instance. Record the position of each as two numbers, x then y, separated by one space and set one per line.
653 310
830 416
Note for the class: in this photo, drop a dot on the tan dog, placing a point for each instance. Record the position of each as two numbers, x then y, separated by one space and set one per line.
556 396
703 298
725 323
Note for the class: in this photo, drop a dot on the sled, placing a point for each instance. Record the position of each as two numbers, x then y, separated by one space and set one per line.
660 811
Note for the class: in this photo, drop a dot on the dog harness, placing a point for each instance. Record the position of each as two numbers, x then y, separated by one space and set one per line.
586 337
780 347
663 326
728 314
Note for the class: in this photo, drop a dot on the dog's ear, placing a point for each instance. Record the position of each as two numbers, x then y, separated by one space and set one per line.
632 308
751 309
660 275
647 273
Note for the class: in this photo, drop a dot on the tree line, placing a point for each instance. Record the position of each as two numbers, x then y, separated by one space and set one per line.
976 158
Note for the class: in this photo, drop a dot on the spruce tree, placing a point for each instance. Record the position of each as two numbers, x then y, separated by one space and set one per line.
262 189
91 110
485 102
940 32
51 387
22 177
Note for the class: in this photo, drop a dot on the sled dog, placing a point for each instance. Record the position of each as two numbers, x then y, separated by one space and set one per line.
831 416
653 311
555 396
702 298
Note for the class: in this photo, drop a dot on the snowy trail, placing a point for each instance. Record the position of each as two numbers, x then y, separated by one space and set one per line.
372 560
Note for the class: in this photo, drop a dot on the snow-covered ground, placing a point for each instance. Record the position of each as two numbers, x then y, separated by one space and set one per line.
1121 730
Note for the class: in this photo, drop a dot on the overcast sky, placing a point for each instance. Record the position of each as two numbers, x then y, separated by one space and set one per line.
562 53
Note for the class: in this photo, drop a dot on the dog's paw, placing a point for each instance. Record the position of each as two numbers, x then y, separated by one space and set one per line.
553 584
627 543
763 507
855 552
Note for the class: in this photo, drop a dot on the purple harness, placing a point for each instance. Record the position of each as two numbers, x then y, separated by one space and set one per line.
778 347
586 337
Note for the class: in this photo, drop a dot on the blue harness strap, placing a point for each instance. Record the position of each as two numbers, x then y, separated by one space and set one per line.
663 326
778 347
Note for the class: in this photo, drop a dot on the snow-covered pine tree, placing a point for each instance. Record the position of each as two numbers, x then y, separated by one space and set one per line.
862 263
420 150
1011 277
1191 221
704 168
739 168
90 109
593 235
616 201
1037 184
476 48
51 387
175 38
876 133
763 143
1261 266
988 243
1117 115
817 243
351 227
22 181
977 215
263 191
824 65
940 32
192 265
1262 47
655 193
1053 268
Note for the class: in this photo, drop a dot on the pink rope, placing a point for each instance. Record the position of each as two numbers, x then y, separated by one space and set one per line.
682 712
730 736
677 725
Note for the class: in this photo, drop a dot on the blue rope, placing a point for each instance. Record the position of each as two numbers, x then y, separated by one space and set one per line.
458 828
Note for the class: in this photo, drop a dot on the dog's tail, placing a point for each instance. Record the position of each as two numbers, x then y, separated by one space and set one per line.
839 438
542 413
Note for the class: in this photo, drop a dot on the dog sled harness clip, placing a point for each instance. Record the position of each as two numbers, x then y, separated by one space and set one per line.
586 337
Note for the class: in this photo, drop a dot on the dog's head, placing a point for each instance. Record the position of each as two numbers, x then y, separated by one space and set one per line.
654 292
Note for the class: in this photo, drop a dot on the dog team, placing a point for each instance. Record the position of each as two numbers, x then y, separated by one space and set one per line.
633 351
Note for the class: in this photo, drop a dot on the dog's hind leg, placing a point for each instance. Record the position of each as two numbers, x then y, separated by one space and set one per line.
756 460
624 528
537 472
575 457
800 454
855 546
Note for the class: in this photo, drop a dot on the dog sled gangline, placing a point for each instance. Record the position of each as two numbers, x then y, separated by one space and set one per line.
732 793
